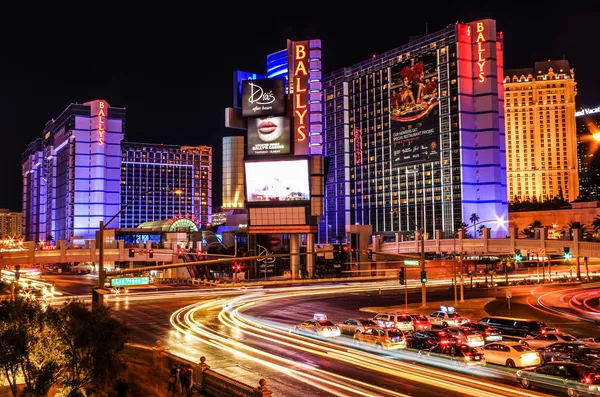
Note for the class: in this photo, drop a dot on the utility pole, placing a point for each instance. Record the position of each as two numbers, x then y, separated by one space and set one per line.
423 285
462 278
101 273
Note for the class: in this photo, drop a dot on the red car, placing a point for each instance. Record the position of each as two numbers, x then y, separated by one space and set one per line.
420 322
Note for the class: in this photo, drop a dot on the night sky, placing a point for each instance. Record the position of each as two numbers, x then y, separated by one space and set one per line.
173 70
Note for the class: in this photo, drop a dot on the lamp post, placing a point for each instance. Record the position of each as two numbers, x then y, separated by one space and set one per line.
96 296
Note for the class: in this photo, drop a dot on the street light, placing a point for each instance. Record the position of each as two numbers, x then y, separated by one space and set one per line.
97 297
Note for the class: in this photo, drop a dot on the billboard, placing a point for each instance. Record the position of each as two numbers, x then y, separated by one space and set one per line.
264 97
414 111
277 181
299 89
268 136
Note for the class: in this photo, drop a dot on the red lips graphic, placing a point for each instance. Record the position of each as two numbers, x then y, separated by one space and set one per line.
266 127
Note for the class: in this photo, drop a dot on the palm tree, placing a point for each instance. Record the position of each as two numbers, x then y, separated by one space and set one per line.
596 223
480 230
529 232
474 219
577 225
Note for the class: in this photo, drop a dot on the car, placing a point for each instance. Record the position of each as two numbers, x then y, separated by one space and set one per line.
588 356
381 338
489 333
511 354
559 351
548 338
420 322
352 326
563 376
465 336
428 339
461 354
447 319
318 326
401 321
515 326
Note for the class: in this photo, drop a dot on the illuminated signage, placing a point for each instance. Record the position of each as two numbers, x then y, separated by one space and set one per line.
192 218
357 146
586 111
481 52
299 89
101 121
268 135
129 281
265 97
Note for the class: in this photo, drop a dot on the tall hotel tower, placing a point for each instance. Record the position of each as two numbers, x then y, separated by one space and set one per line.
415 136
541 132
72 176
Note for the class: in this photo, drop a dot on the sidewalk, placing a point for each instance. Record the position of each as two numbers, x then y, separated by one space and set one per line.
470 308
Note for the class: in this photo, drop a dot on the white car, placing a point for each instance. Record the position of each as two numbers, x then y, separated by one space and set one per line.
320 328
466 336
511 354
444 319
401 321
548 338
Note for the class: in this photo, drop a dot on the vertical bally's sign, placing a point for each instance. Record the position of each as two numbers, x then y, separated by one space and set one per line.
481 53
102 110
299 90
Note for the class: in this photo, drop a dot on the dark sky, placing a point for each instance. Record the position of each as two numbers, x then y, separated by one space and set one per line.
173 70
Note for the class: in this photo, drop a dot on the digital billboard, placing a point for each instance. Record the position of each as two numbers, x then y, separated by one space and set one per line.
268 136
414 111
277 181
238 77
264 97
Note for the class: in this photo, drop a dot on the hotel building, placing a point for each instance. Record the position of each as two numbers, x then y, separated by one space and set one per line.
415 136
152 174
11 223
541 137
81 172
233 173
71 177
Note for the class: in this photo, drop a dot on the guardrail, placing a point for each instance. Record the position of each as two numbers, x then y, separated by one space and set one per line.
205 380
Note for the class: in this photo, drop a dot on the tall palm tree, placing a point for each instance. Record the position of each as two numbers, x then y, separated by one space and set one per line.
576 225
529 231
474 219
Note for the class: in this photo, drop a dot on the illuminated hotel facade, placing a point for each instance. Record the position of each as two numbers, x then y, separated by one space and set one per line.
588 144
415 136
71 177
541 137
81 172
152 173
11 223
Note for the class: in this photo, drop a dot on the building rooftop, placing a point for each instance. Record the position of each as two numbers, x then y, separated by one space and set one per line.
541 68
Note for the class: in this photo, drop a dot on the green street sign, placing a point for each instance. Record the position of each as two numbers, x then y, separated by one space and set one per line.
411 263
129 281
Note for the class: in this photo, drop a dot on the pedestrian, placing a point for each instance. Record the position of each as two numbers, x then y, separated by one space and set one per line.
186 380
178 383
122 387
172 381
157 353
190 376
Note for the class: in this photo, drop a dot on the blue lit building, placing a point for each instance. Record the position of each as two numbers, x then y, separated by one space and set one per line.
414 137
72 176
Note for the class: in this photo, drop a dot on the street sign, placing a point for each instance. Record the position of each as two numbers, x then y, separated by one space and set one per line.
129 281
508 293
411 263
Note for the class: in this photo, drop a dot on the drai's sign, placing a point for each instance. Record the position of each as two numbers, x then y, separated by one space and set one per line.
586 111
264 97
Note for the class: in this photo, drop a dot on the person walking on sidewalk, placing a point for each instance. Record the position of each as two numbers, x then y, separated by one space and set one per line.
172 381
186 380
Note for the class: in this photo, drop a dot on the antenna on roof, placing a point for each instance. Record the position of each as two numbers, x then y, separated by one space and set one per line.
426 28
563 57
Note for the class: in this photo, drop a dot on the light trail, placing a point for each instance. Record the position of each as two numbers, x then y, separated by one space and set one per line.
230 315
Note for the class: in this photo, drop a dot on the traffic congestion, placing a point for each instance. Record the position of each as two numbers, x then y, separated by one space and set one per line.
543 357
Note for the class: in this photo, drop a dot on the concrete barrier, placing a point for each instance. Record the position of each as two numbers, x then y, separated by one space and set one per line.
205 380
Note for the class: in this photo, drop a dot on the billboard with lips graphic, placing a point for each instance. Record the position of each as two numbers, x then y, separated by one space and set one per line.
268 136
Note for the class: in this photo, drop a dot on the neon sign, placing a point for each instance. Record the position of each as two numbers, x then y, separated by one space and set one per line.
300 95
480 51
192 218
586 111
101 121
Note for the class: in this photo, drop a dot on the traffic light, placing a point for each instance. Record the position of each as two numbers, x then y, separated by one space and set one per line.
131 252
345 253
370 254
518 257
423 276
567 253
150 253
401 278
180 253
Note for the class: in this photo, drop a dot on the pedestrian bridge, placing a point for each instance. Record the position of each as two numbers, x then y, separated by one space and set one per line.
495 246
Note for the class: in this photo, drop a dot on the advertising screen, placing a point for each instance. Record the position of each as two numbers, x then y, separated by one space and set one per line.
238 77
265 97
268 136
273 181
414 111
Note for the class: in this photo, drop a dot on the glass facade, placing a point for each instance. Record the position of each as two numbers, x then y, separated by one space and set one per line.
412 142
152 176
233 172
